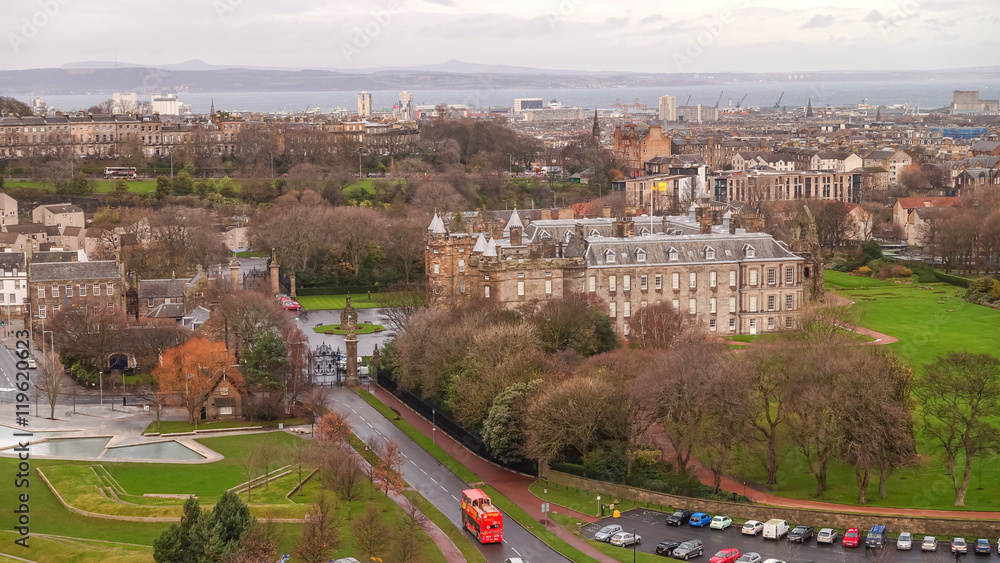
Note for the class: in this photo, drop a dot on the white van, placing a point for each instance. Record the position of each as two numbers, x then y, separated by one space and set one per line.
775 529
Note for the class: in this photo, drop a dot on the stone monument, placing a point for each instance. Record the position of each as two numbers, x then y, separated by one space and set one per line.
349 322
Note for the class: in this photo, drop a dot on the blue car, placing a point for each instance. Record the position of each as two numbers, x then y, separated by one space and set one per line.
982 547
699 519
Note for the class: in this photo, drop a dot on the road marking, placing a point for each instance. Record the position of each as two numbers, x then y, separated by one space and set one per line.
404 455
454 497
414 463
421 469
370 425
443 489
516 551
433 479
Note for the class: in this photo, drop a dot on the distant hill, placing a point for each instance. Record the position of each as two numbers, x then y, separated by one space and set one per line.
101 77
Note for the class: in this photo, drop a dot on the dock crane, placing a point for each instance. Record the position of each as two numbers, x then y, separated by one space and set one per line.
720 98
687 103
743 100
778 103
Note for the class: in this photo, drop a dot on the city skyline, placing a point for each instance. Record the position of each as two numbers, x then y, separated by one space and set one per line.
582 35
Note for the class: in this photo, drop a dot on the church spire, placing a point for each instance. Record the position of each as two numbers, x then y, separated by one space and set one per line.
597 128
809 108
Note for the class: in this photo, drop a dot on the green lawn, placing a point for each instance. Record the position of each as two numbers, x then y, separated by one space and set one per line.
318 302
174 426
585 502
929 320
46 548
362 329
103 186
359 189
426 443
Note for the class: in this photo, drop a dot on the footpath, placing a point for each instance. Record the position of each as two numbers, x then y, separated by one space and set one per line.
510 484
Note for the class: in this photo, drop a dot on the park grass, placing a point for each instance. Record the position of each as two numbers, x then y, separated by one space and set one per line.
585 502
175 426
362 329
46 548
102 186
460 539
359 189
929 320
423 441
535 527
326 302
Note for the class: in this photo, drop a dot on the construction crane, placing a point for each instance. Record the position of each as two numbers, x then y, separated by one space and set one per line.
720 98
743 100
778 103
687 103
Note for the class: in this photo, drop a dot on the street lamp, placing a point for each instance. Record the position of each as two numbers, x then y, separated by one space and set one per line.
434 426
545 491
633 545
598 505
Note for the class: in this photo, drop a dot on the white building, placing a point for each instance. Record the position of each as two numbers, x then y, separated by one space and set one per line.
364 105
668 108
13 283
522 104
405 111
124 102
166 104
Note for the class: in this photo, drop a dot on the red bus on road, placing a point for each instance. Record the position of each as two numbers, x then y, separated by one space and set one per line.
480 517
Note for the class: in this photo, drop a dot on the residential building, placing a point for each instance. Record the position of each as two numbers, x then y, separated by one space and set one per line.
13 283
236 239
668 108
54 285
697 114
893 160
364 105
766 185
59 215
633 148
910 215
8 210
719 276
977 182
838 161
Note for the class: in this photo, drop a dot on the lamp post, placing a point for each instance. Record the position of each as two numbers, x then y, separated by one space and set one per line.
598 505
510 164
434 426
633 545
545 491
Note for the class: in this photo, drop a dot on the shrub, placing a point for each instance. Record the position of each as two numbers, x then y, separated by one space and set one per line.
888 271
953 280
863 271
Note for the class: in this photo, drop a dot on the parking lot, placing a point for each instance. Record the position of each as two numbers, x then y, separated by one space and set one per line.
651 527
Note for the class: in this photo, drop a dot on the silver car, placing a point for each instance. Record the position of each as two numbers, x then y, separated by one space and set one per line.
905 541
827 535
929 544
605 533
689 549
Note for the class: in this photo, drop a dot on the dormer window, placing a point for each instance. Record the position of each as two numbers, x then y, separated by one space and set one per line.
544 235
709 253
569 235
640 255
672 254
609 256
595 233
750 252
644 232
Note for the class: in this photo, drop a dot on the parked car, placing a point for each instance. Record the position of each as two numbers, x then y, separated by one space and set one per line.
699 519
904 541
801 534
982 547
689 549
827 535
752 527
852 538
876 536
666 547
959 545
728 555
721 523
750 557
625 539
605 533
775 529
929 544
773 561
515 560
679 517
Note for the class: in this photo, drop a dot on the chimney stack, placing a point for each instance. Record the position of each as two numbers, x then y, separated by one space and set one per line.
606 212
515 236
546 214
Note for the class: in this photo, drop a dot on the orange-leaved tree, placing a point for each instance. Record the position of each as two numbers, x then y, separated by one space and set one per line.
189 370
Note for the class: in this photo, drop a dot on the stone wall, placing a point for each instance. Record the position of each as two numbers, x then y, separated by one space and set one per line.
940 527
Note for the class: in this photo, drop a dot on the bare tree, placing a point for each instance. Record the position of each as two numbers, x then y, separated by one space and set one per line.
356 232
258 543
320 532
267 452
370 533
251 462
657 326
958 394
50 383
399 302
405 245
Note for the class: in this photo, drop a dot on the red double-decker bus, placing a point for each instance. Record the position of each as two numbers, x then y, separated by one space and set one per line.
481 518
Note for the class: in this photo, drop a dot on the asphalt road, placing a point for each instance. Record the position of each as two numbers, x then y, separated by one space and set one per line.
436 482
652 528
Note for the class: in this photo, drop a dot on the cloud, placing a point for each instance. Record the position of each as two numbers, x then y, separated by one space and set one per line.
449 3
873 16
651 19
616 21
819 20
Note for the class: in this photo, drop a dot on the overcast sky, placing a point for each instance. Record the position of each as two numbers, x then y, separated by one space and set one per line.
633 35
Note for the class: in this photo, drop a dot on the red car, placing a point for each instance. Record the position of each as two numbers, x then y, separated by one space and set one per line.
729 555
852 538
